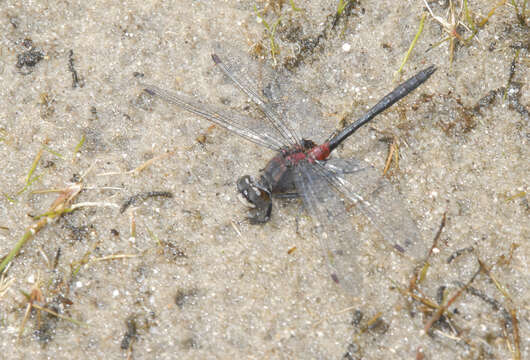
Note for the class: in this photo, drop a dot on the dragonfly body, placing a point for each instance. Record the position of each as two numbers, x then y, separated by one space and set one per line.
276 178
302 168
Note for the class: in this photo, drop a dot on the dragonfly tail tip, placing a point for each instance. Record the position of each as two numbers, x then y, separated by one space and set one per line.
430 70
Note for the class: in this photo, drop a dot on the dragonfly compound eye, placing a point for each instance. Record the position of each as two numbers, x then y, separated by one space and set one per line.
257 197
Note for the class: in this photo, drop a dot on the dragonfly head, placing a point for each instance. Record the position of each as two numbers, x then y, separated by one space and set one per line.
258 197
308 144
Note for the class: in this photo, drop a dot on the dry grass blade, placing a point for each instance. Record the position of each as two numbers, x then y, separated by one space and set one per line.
115 257
420 272
449 26
393 155
59 207
494 280
77 322
516 337
34 296
443 308
141 167
513 314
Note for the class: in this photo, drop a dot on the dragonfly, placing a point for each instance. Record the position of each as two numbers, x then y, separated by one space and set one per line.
332 189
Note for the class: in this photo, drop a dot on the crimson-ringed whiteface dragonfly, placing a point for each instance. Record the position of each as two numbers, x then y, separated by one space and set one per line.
329 187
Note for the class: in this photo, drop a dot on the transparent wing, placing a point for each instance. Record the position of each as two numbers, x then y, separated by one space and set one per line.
275 93
240 74
378 200
333 224
297 107
254 130
332 191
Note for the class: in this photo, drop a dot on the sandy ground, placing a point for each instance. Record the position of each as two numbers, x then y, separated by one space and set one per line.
202 283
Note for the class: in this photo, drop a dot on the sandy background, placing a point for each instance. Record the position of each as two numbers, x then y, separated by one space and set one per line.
204 284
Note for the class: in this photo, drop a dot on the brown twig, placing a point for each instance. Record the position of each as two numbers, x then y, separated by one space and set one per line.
443 308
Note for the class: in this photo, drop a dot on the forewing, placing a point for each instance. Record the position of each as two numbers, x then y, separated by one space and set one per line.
297 106
252 77
296 109
333 224
252 129
379 201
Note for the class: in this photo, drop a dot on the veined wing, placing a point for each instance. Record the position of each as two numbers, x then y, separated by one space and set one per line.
333 223
378 200
327 188
247 75
289 110
249 128
274 119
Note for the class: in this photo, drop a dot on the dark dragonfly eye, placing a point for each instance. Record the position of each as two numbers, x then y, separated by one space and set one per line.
308 144
257 197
